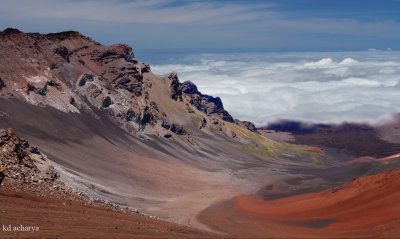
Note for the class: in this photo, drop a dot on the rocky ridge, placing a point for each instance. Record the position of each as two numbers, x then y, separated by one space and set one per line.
74 73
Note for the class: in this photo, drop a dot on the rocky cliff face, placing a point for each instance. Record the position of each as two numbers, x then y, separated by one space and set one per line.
73 74
76 74
205 103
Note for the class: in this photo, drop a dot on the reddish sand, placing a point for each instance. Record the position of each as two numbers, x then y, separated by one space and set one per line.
366 207
365 159
316 149
61 219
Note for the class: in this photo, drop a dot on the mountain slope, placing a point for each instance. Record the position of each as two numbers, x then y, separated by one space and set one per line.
115 130
122 133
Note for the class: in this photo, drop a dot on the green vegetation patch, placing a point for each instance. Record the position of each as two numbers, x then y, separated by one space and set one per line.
269 148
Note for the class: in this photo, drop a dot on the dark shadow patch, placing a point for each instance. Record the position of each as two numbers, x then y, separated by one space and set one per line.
269 187
315 224
357 139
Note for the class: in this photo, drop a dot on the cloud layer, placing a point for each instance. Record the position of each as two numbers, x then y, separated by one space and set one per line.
322 87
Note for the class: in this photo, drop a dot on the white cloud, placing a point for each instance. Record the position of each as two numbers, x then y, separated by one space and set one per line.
348 61
323 63
327 87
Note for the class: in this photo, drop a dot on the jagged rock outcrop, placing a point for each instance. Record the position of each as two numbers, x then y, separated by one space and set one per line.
2 175
211 106
246 124
119 51
22 162
189 87
175 87
208 104
106 102
178 129
203 123
149 115
84 78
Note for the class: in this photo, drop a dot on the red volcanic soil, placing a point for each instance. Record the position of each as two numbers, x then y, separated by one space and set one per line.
316 149
62 219
367 207
371 159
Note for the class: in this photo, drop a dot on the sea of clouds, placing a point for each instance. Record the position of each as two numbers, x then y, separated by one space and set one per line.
319 87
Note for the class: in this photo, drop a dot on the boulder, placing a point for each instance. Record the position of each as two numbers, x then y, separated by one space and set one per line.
86 77
106 102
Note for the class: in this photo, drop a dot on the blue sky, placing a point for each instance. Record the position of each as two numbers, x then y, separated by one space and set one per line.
277 25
